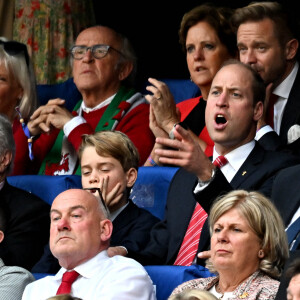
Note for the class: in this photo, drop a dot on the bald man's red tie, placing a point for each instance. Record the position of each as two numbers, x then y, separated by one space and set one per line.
66 284
190 242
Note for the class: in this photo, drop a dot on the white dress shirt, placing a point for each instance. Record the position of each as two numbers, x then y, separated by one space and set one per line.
76 121
283 92
235 160
102 277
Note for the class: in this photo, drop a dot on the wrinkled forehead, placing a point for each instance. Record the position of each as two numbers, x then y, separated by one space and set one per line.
98 35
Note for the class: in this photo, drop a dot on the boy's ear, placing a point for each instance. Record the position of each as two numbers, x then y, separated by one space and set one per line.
131 176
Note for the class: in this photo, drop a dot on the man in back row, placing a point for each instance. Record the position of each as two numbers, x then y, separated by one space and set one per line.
268 41
79 238
234 106
103 69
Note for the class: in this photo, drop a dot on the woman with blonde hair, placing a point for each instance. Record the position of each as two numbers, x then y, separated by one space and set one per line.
248 248
18 97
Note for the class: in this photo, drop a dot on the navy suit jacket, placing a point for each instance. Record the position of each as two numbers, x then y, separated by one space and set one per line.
27 227
291 116
131 229
286 197
285 193
257 173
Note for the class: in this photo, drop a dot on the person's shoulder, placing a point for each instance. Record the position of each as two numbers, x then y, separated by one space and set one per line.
17 194
142 212
126 263
199 283
17 271
266 286
277 156
192 102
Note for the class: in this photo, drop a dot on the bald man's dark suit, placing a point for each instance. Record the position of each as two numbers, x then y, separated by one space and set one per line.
257 173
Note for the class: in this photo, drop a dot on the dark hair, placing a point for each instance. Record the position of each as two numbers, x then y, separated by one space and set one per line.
217 17
293 269
285 26
258 85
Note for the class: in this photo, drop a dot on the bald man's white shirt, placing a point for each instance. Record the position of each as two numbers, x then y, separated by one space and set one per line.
102 277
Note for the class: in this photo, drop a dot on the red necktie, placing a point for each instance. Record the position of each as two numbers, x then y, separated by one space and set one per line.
67 280
270 112
220 161
190 242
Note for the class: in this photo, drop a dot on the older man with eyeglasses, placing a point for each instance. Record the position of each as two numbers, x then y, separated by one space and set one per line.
104 66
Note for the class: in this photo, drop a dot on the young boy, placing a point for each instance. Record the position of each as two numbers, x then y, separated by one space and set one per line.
109 161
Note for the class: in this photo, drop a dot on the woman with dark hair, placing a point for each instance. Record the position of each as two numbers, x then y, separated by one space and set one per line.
208 40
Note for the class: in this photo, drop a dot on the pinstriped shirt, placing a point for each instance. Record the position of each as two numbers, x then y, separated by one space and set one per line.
13 281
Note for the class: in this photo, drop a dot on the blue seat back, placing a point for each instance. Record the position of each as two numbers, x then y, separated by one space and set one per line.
150 191
66 90
181 89
167 278
45 187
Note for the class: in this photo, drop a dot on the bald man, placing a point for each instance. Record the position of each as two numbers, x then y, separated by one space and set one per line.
79 238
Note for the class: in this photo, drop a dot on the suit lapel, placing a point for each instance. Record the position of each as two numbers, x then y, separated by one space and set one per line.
248 168
291 112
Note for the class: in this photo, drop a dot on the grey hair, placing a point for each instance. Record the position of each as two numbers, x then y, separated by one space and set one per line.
129 55
7 140
25 77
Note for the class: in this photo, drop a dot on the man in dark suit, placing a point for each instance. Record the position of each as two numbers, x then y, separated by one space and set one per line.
268 41
234 105
27 216
286 196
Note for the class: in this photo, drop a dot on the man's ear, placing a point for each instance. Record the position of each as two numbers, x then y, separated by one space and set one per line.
125 70
291 49
5 160
258 111
106 229
1 236
131 176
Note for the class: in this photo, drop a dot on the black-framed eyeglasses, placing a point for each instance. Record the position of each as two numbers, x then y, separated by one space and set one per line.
93 190
98 51
13 48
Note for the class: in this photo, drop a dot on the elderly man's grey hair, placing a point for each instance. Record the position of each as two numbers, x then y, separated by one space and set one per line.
7 142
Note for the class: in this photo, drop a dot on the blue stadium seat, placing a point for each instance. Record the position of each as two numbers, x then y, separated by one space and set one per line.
181 89
167 278
45 187
150 191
